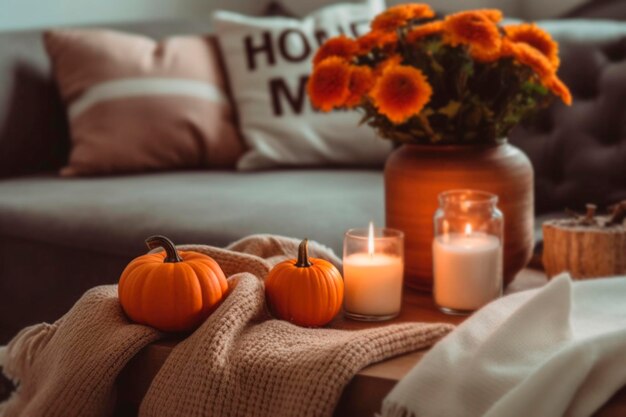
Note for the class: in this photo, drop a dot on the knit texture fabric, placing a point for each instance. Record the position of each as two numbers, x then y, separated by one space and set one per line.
69 368
239 362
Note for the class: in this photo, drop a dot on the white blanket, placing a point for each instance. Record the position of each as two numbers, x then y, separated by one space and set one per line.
556 351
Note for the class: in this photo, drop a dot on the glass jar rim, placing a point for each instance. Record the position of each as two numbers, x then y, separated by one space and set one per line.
363 233
467 196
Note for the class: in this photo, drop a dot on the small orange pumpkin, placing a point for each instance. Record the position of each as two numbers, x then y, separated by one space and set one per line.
305 291
171 291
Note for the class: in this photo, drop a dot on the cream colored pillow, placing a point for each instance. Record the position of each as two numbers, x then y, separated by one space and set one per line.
268 61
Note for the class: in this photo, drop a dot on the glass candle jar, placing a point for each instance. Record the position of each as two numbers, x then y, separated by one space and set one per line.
373 271
467 251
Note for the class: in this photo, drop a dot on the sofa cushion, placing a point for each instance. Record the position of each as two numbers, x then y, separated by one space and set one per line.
60 237
33 127
114 215
112 82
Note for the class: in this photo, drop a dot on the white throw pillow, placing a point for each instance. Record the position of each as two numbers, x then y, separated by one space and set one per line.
268 61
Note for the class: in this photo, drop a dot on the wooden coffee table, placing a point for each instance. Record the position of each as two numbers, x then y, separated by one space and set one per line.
363 396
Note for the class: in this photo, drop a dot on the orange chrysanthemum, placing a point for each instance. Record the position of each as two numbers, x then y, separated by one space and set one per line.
394 17
416 10
485 55
340 46
361 82
328 86
368 41
531 57
401 92
559 89
536 37
494 15
419 32
374 39
507 47
392 61
475 29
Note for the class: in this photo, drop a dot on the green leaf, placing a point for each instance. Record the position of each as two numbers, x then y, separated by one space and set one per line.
474 117
425 124
451 109
531 87
468 68
427 111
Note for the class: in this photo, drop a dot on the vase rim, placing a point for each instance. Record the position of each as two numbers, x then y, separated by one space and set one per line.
455 147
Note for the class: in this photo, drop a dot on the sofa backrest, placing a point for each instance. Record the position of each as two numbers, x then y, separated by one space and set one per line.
579 152
33 127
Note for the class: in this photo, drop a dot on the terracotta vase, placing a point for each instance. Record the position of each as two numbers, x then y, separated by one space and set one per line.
416 174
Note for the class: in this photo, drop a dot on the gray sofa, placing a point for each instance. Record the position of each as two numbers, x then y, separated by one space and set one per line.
59 237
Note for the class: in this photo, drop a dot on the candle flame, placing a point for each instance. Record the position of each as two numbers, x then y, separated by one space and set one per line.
370 240
468 229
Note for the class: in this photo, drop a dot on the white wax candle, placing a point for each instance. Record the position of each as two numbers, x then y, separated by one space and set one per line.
467 269
373 284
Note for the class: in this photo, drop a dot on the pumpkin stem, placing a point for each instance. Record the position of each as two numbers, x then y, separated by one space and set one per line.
303 255
159 241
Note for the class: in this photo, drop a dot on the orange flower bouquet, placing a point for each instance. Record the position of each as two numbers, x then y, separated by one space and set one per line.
460 80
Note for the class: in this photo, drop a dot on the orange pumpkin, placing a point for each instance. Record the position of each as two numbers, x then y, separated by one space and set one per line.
305 291
171 291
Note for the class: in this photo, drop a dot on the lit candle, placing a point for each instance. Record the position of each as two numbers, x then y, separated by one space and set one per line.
468 270
373 268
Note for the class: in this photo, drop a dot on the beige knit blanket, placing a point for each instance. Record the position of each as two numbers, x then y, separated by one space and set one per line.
240 362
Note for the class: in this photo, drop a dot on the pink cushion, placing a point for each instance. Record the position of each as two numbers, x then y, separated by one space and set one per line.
139 105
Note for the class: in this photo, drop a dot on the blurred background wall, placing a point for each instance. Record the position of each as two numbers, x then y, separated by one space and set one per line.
25 14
